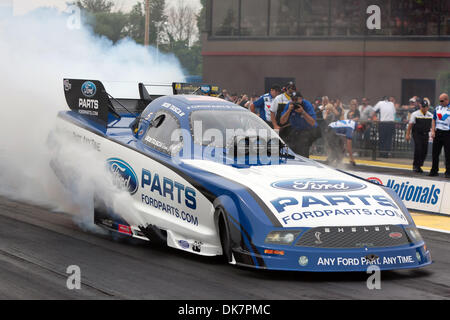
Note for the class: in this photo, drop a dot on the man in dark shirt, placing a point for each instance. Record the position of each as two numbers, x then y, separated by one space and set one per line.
302 118
420 125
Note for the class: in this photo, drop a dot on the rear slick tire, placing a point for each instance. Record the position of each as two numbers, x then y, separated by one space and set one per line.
224 233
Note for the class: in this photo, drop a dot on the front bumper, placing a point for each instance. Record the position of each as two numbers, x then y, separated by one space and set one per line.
341 260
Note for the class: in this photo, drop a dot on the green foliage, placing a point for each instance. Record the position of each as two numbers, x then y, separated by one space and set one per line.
116 25
201 17
136 23
95 6
111 24
190 57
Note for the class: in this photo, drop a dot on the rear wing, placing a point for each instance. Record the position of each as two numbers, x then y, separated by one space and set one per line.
89 98
200 89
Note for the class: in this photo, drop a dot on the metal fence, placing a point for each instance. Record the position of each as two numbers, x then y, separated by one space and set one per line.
366 143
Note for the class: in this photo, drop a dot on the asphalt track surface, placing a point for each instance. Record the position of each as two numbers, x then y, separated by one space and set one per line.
37 246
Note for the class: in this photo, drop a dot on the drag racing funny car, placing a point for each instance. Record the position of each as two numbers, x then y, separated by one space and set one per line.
209 177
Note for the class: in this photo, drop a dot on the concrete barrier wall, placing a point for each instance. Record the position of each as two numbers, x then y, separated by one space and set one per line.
420 194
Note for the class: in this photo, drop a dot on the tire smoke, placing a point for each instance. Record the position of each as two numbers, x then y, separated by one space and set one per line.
37 51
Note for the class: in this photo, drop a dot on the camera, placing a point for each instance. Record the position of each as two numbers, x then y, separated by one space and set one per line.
297 105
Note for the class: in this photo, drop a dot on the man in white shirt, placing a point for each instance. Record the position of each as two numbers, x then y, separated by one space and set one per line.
386 126
278 105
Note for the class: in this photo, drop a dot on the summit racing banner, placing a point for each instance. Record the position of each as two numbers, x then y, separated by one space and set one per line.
419 194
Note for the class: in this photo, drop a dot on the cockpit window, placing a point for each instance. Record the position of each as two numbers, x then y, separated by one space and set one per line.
159 134
218 128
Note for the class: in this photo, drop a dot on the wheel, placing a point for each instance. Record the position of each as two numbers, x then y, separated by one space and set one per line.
224 233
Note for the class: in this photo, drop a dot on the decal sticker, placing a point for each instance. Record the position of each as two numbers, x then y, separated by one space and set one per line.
197 246
395 235
67 85
124 229
375 180
123 175
88 89
364 261
184 244
318 185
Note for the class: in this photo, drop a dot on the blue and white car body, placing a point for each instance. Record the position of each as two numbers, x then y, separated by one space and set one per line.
286 213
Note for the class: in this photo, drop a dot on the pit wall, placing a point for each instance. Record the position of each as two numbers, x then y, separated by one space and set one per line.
425 195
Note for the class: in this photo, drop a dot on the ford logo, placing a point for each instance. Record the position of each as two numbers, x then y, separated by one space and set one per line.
123 175
88 89
318 185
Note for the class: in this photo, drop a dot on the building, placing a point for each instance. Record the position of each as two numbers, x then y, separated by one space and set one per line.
327 47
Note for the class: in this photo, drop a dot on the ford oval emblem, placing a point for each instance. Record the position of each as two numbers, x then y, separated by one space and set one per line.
318 185
123 175
88 89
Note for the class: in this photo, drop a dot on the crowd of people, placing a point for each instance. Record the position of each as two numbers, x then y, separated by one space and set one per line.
301 122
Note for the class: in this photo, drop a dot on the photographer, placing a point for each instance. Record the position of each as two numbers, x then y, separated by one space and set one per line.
299 113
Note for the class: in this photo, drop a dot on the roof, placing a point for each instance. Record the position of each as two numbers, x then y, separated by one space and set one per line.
182 105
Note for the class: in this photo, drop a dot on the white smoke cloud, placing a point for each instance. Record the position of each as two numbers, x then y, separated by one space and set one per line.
37 51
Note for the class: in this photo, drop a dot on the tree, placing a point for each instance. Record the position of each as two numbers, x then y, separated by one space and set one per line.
182 23
99 15
95 6
178 28
136 23
157 18
111 25
201 17
135 27
181 37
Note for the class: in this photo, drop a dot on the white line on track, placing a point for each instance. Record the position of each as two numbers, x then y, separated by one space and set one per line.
433 229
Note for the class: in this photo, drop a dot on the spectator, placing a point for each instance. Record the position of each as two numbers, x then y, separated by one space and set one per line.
226 95
299 113
366 117
318 110
386 126
440 132
242 100
429 103
325 102
332 113
252 100
234 98
420 125
365 110
399 117
262 106
278 105
353 113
